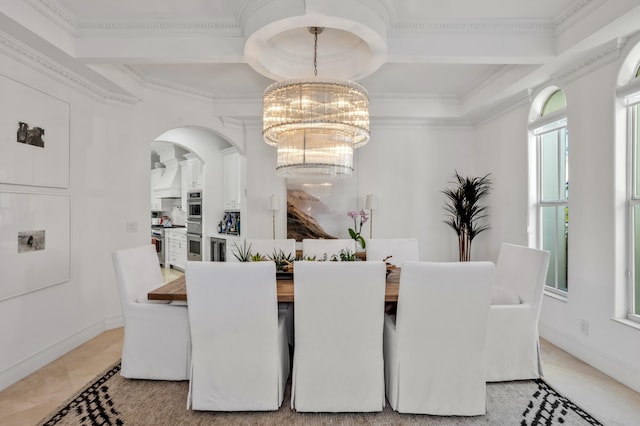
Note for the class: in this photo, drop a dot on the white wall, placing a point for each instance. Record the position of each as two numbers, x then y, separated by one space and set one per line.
407 167
610 346
501 149
106 191
262 181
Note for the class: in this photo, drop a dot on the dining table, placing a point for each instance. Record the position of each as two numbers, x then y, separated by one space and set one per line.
176 290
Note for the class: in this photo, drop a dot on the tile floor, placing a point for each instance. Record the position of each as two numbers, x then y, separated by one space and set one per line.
29 400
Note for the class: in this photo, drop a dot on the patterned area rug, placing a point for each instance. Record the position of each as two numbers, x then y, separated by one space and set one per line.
114 400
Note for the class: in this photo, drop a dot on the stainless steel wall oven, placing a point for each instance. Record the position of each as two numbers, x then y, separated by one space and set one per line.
194 205
194 247
194 225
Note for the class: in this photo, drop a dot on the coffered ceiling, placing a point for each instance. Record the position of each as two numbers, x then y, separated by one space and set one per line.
431 59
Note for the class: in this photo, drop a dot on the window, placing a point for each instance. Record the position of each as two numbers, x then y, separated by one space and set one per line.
552 188
633 117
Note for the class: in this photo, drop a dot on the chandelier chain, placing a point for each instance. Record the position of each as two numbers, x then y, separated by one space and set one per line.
315 53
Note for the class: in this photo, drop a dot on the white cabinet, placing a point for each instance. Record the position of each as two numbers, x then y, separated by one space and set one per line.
192 178
156 174
163 204
176 243
232 180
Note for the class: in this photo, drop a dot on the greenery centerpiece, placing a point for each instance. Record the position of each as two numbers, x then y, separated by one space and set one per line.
465 210
284 261
243 252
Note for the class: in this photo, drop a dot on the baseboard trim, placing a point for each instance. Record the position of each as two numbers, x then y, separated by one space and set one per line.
612 367
23 368
116 321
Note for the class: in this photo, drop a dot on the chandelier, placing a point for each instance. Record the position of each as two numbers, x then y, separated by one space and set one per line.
315 124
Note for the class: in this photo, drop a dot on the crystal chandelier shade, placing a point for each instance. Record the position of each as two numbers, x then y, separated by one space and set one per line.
315 124
319 153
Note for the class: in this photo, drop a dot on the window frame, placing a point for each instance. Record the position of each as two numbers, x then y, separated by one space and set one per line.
552 121
633 199
541 204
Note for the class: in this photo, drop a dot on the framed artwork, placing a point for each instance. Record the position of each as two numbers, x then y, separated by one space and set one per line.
34 242
319 209
34 136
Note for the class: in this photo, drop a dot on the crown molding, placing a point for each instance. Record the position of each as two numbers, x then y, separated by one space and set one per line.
579 10
55 12
63 17
412 97
230 26
232 123
146 81
573 14
503 26
30 57
225 27
593 60
421 122
499 109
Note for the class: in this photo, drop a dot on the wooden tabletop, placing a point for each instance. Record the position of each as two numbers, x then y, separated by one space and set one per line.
177 289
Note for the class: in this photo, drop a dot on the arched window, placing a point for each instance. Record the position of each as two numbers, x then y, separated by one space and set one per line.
551 185
555 102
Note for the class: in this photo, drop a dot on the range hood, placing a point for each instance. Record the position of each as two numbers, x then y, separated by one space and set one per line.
169 185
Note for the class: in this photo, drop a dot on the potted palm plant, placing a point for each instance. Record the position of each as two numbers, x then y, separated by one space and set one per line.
465 211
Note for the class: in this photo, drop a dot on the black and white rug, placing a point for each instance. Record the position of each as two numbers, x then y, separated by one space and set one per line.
113 400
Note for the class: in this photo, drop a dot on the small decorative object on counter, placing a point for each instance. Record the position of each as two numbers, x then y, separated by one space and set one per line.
230 223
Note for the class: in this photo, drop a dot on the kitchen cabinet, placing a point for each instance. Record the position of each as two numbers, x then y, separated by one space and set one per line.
232 180
163 204
176 241
192 179
156 175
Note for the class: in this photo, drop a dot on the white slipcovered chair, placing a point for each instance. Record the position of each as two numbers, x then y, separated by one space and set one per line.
267 247
240 356
156 335
512 331
320 247
434 347
400 250
338 363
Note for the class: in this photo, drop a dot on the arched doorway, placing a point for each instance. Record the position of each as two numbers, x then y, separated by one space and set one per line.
184 160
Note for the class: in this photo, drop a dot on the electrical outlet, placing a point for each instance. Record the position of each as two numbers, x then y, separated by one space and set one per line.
132 226
584 327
